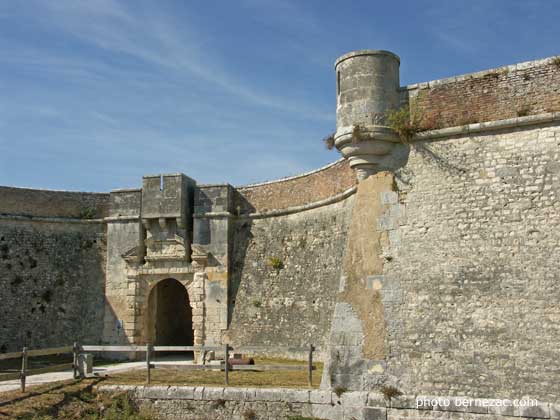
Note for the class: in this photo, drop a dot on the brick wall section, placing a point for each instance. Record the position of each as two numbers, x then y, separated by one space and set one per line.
299 190
51 283
45 203
524 89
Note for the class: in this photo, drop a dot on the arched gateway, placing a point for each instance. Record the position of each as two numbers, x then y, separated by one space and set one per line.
170 315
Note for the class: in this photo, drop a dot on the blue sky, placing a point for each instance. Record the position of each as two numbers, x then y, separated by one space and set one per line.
94 94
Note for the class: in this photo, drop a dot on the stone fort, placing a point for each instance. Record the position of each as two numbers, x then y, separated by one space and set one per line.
429 261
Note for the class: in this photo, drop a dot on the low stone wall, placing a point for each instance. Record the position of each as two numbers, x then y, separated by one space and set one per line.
217 403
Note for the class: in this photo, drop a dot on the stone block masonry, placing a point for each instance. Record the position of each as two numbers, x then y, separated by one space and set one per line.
52 283
477 267
218 403
288 304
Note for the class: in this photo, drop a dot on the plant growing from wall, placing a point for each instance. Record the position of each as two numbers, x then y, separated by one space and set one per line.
275 263
249 414
405 121
339 390
220 403
524 111
88 213
556 62
329 141
390 392
356 133
257 303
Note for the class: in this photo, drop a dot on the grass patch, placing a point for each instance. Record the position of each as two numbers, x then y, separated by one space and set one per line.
268 379
78 400
69 400
556 62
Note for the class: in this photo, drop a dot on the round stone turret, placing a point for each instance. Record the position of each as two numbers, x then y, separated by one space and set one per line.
367 84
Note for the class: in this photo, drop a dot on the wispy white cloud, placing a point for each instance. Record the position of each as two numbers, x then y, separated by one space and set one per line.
159 42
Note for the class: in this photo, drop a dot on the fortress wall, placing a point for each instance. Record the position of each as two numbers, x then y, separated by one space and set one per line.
507 92
291 305
298 190
52 267
472 285
45 203
51 283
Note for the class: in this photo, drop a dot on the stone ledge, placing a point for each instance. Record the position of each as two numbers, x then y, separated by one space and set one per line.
282 212
48 219
298 209
326 398
489 126
122 219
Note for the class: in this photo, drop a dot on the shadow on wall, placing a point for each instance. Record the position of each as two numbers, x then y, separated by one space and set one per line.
239 242
441 159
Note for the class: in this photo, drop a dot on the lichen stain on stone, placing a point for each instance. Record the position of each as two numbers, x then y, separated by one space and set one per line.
363 258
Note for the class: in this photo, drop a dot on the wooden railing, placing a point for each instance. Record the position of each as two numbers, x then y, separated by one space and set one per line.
150 350
25 354
227 367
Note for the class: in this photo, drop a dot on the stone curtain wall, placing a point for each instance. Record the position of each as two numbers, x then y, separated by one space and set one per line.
51 283
474 272
298 190
291 304
507 92
52 263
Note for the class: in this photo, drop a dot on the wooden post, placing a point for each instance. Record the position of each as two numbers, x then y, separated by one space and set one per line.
75 350
310 366
148 364
23 368
226 364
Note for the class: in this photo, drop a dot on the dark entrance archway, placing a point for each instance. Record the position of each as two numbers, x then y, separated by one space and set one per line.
170 314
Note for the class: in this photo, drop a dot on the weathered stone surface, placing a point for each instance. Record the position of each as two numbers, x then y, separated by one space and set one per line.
358 327
290 305
476 313
277 403
52 283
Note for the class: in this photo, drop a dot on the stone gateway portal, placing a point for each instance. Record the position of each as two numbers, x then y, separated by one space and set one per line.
170 314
